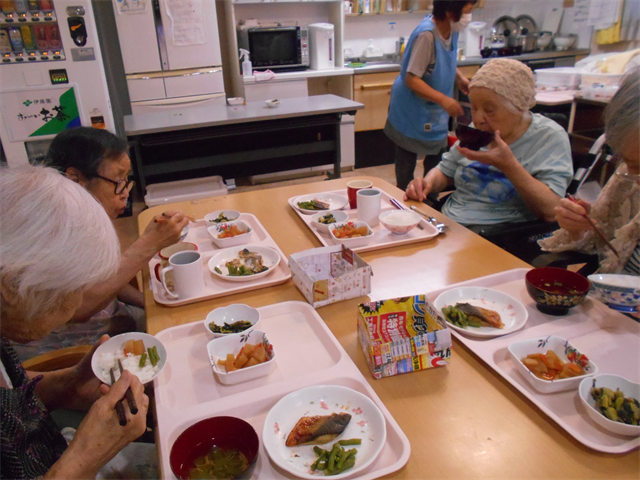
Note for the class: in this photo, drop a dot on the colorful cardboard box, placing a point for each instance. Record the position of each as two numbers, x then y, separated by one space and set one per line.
402 335
330 274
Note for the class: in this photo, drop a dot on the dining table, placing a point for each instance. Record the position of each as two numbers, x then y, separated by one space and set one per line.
462 420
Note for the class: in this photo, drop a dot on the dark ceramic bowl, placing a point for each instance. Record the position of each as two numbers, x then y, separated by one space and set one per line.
472 138
227 433
556 290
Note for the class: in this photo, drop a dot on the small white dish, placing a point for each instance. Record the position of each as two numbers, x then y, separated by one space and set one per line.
228 216
613 382
270 259
230 314
273 103
399 222
336 202
235 101
351 242
339 215
565 351
512 312
367 423
218 228
117 343
219 348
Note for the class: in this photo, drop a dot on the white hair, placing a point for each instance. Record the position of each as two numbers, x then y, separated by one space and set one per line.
622 115
55 238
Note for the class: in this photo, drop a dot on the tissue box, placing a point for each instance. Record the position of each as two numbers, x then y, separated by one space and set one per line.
402 335
330 274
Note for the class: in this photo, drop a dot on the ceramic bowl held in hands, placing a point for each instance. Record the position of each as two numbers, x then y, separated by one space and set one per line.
556 290
226 433
619 292
472 138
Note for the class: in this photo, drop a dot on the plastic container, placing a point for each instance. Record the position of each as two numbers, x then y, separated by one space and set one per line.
558 77
182 190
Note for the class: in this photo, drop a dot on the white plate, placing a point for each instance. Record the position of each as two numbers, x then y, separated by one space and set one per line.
270 259
367 423
336 202
512 313
117 343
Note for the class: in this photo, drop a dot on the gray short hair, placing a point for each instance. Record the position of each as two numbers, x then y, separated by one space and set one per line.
55 238
622 115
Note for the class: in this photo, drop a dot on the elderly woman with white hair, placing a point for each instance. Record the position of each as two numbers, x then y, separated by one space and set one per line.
55 242
617 208
525 171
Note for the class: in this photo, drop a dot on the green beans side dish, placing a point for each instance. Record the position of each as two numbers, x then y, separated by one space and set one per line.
327 219
615 406
336 460
234 327
459 318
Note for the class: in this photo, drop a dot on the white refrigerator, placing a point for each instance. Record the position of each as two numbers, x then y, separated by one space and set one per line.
51 75
171 53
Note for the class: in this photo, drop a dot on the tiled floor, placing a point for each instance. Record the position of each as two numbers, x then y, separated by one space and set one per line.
127 228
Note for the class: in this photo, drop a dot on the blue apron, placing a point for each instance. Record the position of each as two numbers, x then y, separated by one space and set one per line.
409 113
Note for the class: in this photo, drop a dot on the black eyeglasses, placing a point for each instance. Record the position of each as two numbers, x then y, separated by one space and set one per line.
121 185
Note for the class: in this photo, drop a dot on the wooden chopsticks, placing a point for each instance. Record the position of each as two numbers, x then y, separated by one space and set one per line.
595 228
164 215
133 407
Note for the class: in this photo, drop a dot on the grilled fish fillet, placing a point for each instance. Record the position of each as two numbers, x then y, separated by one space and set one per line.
318 430
485 316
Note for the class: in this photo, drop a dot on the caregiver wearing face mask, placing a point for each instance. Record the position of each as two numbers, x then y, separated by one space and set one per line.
422 95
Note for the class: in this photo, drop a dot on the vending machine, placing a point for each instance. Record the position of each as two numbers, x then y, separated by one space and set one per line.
51 75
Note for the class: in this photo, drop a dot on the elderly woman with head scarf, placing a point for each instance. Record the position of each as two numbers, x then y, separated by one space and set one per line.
524 172
617 208
56 241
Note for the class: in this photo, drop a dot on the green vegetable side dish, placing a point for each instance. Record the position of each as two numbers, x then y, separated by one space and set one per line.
221 218
218 464
458 318
242 271
154 358
327 219
615 406
336 460
235 327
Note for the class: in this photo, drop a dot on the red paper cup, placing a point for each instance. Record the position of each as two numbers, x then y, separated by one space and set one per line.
352 187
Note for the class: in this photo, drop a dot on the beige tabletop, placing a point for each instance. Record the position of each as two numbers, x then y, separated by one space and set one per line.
463 420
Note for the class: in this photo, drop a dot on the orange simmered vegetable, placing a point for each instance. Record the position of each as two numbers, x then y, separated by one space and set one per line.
551 367
135 347
348 230
249 356
231 231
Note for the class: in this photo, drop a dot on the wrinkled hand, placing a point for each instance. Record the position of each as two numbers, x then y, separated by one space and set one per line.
85 384
499 156
100 437
452 107
418 189
462 83
570 215
165 229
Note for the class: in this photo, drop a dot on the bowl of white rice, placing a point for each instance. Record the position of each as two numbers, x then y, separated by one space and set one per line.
399 222
107 355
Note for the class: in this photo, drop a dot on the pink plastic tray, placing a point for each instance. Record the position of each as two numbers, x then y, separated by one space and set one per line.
307 353
382 238
214 286
607 337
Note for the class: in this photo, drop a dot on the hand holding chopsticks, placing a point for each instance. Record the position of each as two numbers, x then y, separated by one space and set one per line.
165 216
595 228
133 407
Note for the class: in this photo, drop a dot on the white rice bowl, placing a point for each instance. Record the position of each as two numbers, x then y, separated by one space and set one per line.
107 355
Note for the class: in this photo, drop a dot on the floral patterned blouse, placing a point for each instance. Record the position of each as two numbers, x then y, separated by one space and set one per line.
31 442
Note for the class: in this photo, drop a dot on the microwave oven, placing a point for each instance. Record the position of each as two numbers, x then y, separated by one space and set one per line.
276 48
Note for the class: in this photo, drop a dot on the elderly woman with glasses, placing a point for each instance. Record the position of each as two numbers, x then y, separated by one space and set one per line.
56 242
523 173
617 208
98 161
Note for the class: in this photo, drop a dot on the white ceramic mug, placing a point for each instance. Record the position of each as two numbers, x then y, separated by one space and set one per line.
188 275
369 203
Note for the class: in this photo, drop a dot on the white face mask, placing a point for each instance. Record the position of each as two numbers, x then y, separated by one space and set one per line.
462 24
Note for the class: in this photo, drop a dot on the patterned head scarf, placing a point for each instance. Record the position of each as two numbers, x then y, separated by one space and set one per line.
510 79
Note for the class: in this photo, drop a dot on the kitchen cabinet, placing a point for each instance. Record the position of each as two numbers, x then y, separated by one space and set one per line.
374 91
